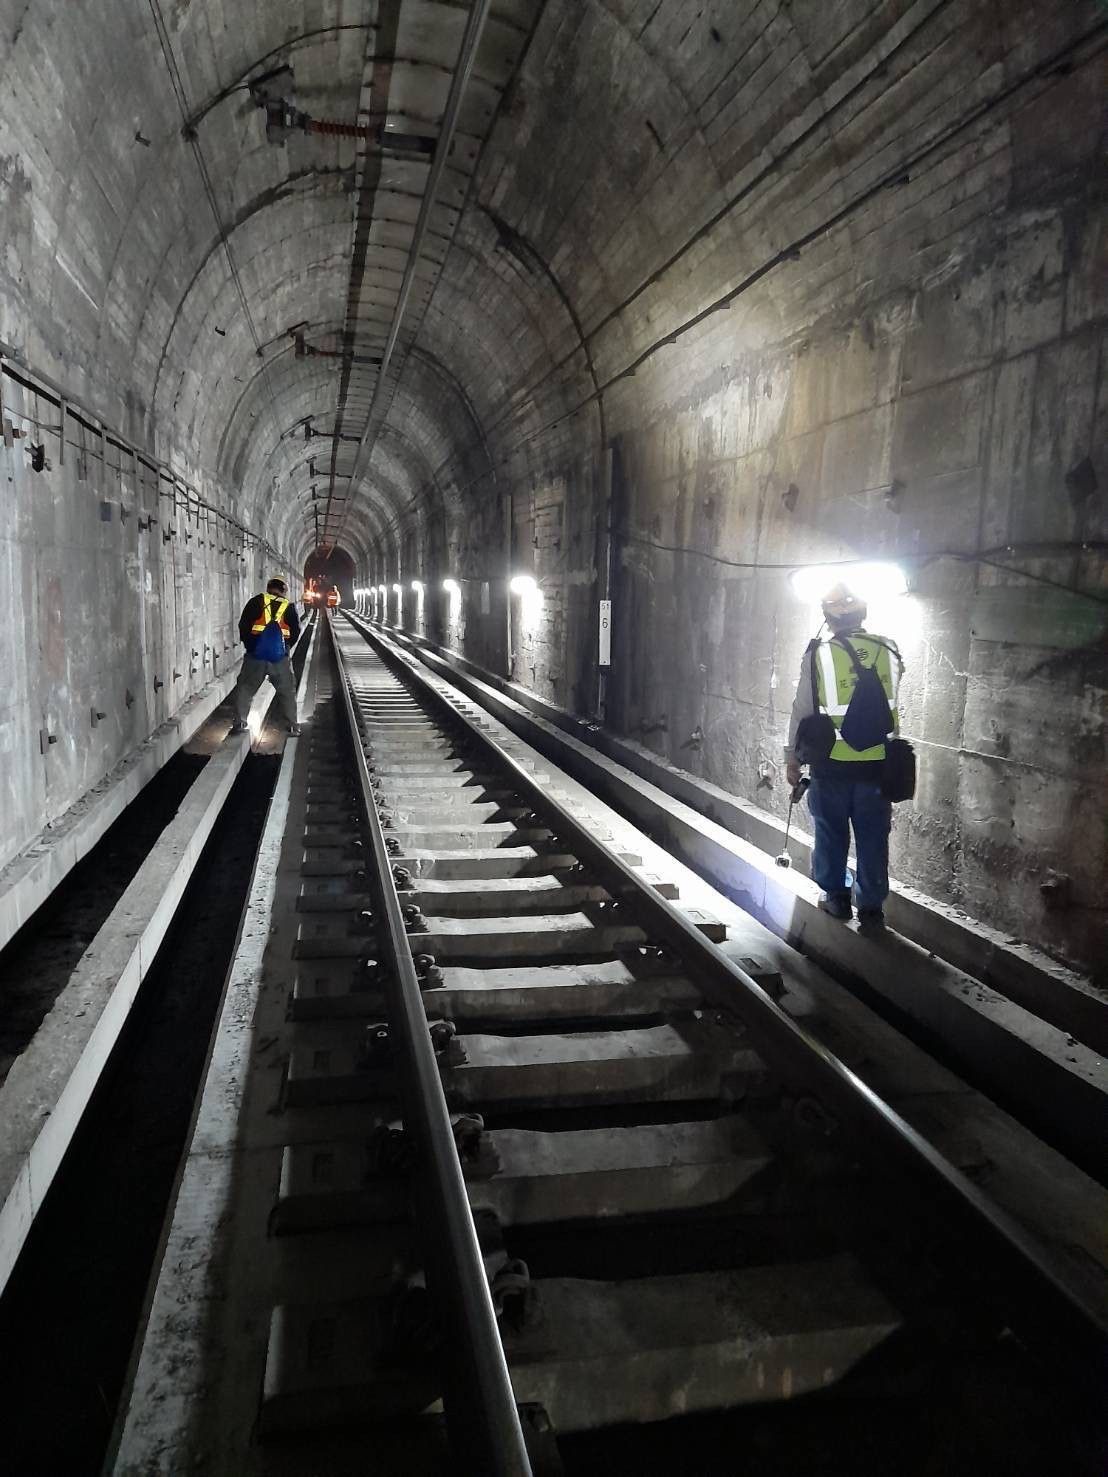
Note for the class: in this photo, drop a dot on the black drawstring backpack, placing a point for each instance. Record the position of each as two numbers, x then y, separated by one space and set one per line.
868 721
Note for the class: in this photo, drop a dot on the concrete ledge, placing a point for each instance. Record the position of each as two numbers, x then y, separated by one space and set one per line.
1052 991
29 878
1059 1086
175 1358
50 1084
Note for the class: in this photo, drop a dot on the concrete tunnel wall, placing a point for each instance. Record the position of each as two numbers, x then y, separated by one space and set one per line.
120 591
904 203
920 383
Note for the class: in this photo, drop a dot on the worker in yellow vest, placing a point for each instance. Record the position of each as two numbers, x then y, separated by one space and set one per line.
845 709
268 627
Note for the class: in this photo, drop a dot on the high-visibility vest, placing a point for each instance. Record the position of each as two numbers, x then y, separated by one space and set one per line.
836 680
273 609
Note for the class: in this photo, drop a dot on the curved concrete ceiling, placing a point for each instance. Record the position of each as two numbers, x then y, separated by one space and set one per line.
614 168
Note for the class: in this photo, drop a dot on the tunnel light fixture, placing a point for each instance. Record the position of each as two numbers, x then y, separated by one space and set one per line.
452 587
870 580
417 586
398 589
523 584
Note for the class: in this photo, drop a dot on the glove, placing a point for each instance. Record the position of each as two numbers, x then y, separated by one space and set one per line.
792 773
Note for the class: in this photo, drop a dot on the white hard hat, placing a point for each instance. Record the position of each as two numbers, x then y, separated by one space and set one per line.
839 600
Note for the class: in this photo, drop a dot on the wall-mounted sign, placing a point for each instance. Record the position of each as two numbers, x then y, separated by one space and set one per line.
605 633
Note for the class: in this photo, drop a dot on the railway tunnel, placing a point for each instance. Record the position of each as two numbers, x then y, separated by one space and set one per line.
586 347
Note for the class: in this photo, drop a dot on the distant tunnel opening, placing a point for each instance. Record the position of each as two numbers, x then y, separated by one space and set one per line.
335 568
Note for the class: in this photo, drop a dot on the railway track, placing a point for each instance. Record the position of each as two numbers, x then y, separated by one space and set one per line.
518 1135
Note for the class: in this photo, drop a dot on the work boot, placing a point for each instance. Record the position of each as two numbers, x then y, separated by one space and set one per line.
836 905
871 920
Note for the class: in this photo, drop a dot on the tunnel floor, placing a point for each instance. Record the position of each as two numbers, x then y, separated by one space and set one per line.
970 1402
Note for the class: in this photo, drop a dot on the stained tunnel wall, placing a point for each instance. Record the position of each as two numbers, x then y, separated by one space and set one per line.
923 382
120 590
903 203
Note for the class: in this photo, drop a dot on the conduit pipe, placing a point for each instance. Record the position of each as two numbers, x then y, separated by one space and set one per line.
467 55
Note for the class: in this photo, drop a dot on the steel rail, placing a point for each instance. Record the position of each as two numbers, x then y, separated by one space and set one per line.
1013 1262
480 1405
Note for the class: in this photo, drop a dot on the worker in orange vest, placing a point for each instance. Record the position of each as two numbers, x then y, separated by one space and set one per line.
268 627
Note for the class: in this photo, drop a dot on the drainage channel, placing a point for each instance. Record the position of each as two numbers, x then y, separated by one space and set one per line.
69 1313
71 1308
36 965
673 1245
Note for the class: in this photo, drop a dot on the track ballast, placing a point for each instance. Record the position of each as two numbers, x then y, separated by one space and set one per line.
670 1226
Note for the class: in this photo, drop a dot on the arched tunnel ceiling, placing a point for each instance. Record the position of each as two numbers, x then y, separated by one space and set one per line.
162 243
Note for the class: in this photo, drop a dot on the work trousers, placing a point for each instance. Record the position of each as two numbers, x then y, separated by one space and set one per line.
251 677
836 805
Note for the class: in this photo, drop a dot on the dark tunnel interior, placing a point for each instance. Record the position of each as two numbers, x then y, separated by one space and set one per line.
700 407
333 570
